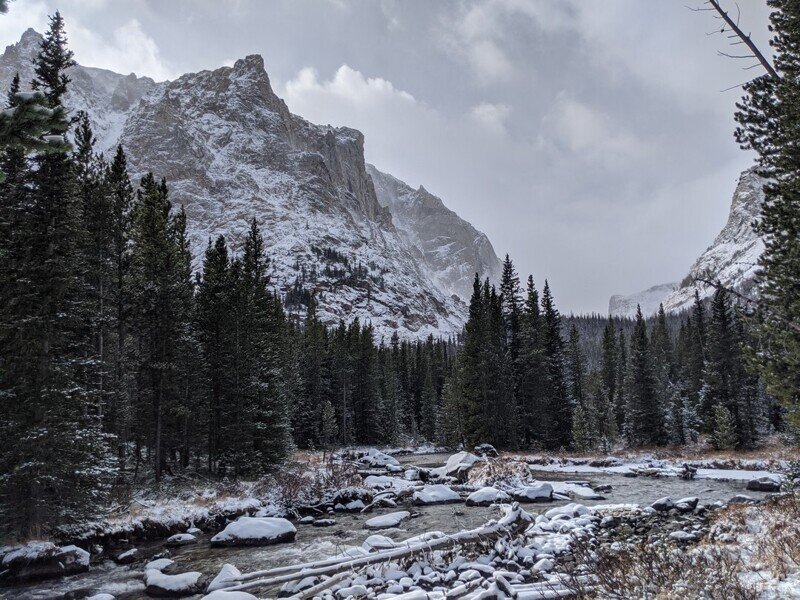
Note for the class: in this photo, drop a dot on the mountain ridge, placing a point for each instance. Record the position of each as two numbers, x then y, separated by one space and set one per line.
230 149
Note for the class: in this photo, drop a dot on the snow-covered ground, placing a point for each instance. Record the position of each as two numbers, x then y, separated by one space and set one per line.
530 557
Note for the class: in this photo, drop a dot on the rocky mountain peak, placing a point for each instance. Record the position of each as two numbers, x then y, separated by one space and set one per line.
731 259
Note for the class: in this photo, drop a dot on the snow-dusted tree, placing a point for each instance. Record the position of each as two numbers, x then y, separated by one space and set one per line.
724 434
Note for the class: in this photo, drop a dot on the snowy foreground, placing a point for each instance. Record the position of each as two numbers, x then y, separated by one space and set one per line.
544 537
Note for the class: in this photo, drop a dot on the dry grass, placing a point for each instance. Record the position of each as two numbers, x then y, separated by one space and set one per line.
659 572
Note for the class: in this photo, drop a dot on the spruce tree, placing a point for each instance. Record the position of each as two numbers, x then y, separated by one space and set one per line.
643 415
557 418
768 123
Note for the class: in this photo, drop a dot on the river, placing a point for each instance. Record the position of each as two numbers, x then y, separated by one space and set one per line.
315 543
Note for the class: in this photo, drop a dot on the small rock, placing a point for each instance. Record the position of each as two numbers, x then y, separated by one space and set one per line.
323 522
171 586
663 504
741 499
180 539
127 557
764 484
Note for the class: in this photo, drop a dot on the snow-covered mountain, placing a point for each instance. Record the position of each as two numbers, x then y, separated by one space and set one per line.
450 248
732 258
230 150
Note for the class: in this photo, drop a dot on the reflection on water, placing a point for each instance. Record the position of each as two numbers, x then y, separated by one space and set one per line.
313 543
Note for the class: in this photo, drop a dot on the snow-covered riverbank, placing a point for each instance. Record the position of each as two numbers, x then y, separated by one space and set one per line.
412 502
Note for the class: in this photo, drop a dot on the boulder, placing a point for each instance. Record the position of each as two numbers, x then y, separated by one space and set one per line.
388 521
742 499
486 450
486 496
42 560
180 539
764 484
685 505
227 572
160 564
349 495
161 585
435 494
127 557
459 465
663 504
542 492
255 531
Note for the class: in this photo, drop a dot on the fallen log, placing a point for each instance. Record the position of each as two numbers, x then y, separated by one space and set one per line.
320 587
514 521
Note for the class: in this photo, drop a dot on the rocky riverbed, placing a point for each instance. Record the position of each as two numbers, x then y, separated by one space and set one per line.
610 508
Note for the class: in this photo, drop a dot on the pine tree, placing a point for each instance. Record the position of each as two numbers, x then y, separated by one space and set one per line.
54 456
607 393
768 123
724 431
531 398
643 415
557 420
584 418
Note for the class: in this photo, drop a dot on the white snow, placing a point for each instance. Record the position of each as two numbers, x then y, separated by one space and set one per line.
533 493
387 521
227 572
223 595
486 496
182 582
159 564
260 530
436 494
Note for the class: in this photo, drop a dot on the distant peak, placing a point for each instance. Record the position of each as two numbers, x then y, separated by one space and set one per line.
422 190
252 62
31 34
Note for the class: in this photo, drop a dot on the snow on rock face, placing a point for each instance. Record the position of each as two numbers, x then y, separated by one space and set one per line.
163 586
231 150
435 494
180 539
255 531
451 249
223 595
732 258
221 581
460 463
388 521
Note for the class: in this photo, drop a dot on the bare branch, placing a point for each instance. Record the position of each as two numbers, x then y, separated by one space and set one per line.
745 38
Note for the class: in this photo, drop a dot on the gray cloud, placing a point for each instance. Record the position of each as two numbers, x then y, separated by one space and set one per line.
590 140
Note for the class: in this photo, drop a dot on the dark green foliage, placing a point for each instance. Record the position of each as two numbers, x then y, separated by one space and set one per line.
768 123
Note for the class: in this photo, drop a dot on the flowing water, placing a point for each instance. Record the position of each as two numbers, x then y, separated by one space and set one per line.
315 543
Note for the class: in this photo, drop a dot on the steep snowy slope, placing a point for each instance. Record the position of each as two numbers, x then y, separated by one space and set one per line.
108 97
648 300
231 150
452 250
731 259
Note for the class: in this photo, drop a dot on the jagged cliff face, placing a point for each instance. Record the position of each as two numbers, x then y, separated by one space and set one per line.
231 150
451 249
732 259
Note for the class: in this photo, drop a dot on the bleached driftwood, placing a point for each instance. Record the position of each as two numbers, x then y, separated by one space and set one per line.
514 520
320 587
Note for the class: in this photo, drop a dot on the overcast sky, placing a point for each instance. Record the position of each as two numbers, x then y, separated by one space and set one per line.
589 139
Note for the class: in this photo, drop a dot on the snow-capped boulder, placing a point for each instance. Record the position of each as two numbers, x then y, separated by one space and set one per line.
323 522
42 560
222 580
375 458
687 504
486 496
162 585
127 557
764 484
435 494
663 504
160 564
101 596
255 531
541 492
459 464
388 521
180 539
486 450
570 510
